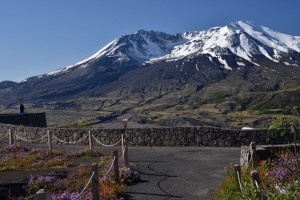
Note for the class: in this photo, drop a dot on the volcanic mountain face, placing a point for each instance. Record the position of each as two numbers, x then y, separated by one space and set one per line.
7 84
158 70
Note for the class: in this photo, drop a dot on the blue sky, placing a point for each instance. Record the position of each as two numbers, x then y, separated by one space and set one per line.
37 36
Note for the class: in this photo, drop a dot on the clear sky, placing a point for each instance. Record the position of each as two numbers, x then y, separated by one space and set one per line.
39 36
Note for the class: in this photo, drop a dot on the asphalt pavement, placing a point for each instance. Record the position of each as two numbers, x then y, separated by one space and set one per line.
180 172
186 173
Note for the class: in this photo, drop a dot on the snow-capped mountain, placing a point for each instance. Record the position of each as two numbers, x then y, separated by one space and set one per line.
242 38
241 56
139 47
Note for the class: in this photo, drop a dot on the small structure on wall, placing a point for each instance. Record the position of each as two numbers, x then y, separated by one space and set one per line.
26 119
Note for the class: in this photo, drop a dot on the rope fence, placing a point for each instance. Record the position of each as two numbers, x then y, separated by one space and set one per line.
51 137
3 136
91 137
256 184
106 145
88 183
123 152
240 183
28 140
43 194
111 166
70 142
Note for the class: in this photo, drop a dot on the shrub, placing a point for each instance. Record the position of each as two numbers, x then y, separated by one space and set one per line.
87 153
16 147
80 124
280 179
40 182
66 195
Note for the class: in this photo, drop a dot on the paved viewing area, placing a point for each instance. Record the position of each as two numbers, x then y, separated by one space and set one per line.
180 172
173 172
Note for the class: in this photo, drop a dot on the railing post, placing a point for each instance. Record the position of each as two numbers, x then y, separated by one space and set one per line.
42 194
116 166
47 192
10 137
126 155
122 142
95 182
49 140
255 178
237 170
90 141
254 154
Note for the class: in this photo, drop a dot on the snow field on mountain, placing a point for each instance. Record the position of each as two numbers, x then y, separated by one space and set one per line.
243 39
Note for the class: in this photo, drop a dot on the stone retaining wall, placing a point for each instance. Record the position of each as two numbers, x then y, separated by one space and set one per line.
176 136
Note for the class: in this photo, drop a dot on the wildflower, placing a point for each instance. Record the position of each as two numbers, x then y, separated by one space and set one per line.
66 195
281 173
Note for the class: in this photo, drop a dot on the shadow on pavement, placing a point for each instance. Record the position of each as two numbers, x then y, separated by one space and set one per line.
156 174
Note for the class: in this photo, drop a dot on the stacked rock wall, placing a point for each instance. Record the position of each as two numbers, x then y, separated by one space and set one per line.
176 136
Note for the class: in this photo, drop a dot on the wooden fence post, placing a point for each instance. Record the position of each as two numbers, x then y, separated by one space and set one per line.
42 194
116 166
90 141
49 140
237 170
255 178
10 137
126 156
254 155
122 142
95 182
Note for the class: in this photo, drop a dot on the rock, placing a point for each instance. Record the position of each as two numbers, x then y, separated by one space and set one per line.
226 107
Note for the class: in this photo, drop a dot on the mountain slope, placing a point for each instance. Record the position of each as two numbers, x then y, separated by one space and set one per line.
151 71
7 84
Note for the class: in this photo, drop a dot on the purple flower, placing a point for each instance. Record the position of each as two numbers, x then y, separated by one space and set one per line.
284 167
281 173
16 147
41 179
66 195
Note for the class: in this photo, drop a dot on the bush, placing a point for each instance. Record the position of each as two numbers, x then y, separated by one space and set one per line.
80 124
280 179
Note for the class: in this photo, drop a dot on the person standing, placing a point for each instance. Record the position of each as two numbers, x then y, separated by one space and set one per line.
22 109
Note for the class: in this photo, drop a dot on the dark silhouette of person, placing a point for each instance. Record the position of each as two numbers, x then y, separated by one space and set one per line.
22 109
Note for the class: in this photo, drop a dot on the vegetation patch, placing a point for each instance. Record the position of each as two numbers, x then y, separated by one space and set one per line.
18 157
79 124
279 177
219 97
285 101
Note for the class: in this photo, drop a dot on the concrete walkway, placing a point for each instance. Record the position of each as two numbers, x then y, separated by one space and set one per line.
180 172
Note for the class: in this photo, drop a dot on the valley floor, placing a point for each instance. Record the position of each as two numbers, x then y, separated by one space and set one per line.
205 115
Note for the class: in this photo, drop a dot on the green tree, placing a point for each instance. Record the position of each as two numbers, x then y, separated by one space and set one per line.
282 125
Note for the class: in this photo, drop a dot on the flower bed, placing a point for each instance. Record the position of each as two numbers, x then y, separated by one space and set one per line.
280 179
16 158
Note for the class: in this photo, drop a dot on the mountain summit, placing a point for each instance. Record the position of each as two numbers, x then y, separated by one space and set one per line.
150 68
242 38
